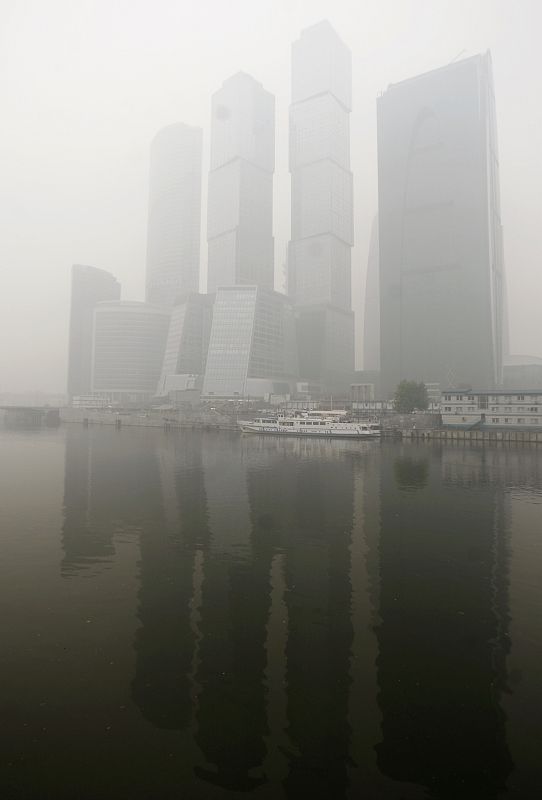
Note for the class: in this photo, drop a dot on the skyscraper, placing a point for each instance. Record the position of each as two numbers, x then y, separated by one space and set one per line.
441 261
173 240
322 205
89 287
371 322
240 200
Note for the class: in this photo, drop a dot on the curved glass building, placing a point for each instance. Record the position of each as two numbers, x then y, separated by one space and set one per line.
128 348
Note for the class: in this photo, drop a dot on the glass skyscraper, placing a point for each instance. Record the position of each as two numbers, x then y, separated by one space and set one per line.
371 320
252 348
89 287
252 342
322 205
240 199
440 238
188 339
173 240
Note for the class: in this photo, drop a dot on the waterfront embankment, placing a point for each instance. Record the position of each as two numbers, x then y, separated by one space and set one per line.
475 436
153 418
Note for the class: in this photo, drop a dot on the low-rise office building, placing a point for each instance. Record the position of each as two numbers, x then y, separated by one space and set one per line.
129 339
495 408
375 407
187 344
252 350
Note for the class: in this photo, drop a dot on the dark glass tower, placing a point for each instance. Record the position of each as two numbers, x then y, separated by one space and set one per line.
441 260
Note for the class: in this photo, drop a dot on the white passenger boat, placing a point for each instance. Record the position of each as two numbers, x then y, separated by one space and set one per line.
312 423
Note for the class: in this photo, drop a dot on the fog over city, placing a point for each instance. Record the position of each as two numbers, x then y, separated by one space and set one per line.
270 399
85 86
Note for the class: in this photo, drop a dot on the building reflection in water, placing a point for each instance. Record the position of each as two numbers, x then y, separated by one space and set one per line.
443 631
316 617
86 544
170 543
317 564
231 706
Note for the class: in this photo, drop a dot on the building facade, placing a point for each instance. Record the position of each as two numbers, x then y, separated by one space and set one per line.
440 239
322 204
240 198
252 346
325 343
520 370
89 286
495 408
187 342
371 316
173 239
128 349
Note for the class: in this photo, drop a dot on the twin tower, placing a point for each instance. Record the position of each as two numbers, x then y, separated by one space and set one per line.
251 339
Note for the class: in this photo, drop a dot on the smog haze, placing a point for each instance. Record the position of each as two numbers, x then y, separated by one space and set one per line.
85 86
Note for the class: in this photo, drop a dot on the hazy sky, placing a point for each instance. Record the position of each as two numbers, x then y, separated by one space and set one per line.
85 84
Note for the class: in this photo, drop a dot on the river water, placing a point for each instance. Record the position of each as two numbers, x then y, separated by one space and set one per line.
208 615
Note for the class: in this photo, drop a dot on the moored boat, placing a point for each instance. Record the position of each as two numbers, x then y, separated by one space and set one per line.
330 424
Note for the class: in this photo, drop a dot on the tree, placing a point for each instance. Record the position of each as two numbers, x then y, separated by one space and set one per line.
410 395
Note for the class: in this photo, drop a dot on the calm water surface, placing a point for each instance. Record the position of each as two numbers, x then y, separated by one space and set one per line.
201 615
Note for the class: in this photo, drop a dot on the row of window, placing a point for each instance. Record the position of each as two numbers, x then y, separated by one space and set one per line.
519 420
506 409
484 398
510 420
